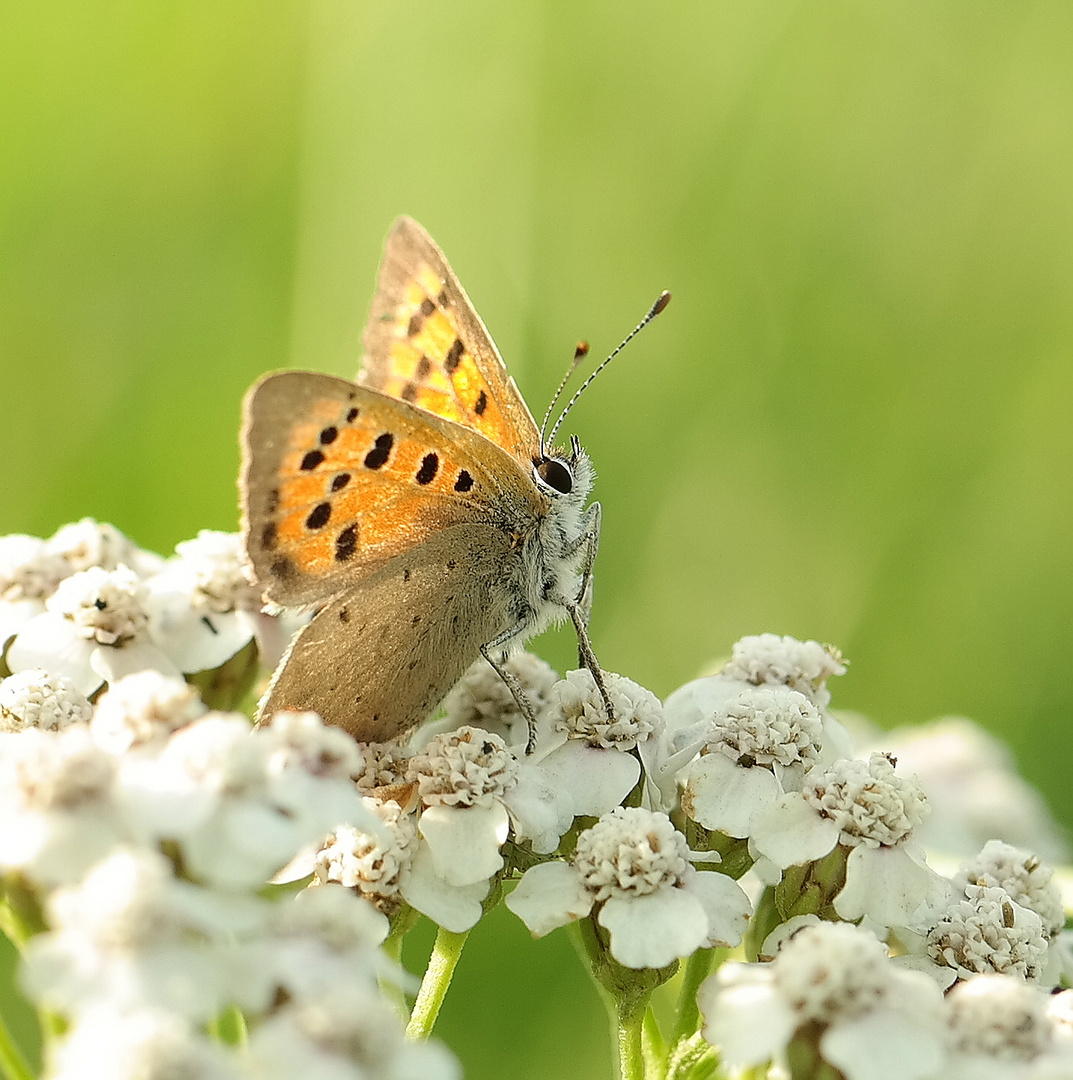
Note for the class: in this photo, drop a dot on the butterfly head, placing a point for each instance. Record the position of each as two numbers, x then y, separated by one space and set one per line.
565 475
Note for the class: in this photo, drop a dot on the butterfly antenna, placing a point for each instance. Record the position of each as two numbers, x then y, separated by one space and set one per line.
653 311
580 353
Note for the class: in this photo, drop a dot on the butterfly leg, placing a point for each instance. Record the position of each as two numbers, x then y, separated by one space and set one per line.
589 538
512 682
585 655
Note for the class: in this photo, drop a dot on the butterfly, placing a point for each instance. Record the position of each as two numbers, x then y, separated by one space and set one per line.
418 510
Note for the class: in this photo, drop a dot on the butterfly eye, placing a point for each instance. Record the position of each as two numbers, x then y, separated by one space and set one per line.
556 474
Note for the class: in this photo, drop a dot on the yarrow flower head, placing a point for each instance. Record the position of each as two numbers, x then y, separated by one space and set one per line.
986 932
142 710
831 984
375 866
1023 876
89 543
634 868
206 609
34 698
95 628
870 811
998 1017
804 666
58 804
761 661
590 759
757 745
29 574
462 778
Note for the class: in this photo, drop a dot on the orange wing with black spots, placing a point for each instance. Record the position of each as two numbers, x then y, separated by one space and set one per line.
347 478
426 345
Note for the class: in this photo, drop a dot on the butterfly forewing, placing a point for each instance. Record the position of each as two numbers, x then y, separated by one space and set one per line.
346 479
425 344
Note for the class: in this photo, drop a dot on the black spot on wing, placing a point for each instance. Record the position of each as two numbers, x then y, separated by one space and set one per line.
417 320
430 465
481 403
377 457
454 356
312 460
346 543
464 481
319 515
339 482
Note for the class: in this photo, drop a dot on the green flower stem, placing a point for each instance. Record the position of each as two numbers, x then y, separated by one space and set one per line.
12 1064
434 985
692 1059
626 993
697 968
653 1046
20 913
630 1024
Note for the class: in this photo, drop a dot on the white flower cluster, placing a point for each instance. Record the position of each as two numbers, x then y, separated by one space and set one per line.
140 838
140 823
91 606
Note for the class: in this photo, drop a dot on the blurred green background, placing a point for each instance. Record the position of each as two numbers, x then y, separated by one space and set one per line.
853 423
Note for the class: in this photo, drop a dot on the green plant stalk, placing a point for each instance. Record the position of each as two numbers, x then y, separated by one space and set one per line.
697 968
435 983
12 1064
653 1046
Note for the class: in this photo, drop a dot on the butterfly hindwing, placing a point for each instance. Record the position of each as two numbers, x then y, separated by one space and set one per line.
424 343
346 479
379 658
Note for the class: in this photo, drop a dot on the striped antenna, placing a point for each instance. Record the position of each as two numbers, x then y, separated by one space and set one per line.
580 353
653 311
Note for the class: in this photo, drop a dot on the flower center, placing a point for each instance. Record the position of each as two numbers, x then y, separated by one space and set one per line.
631 852
582 714
831 971
468 767
106 606
766 726
869 803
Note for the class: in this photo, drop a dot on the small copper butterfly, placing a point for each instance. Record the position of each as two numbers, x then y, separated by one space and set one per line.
418 509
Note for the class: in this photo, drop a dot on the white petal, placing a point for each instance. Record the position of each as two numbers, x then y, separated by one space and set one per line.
884 1044
465 841
726 796
749 1022
541 812
726 905
888 886
695 702
791 832
548 896
596 780
113 662
51 642
651 931
454 907
14 615
195 640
